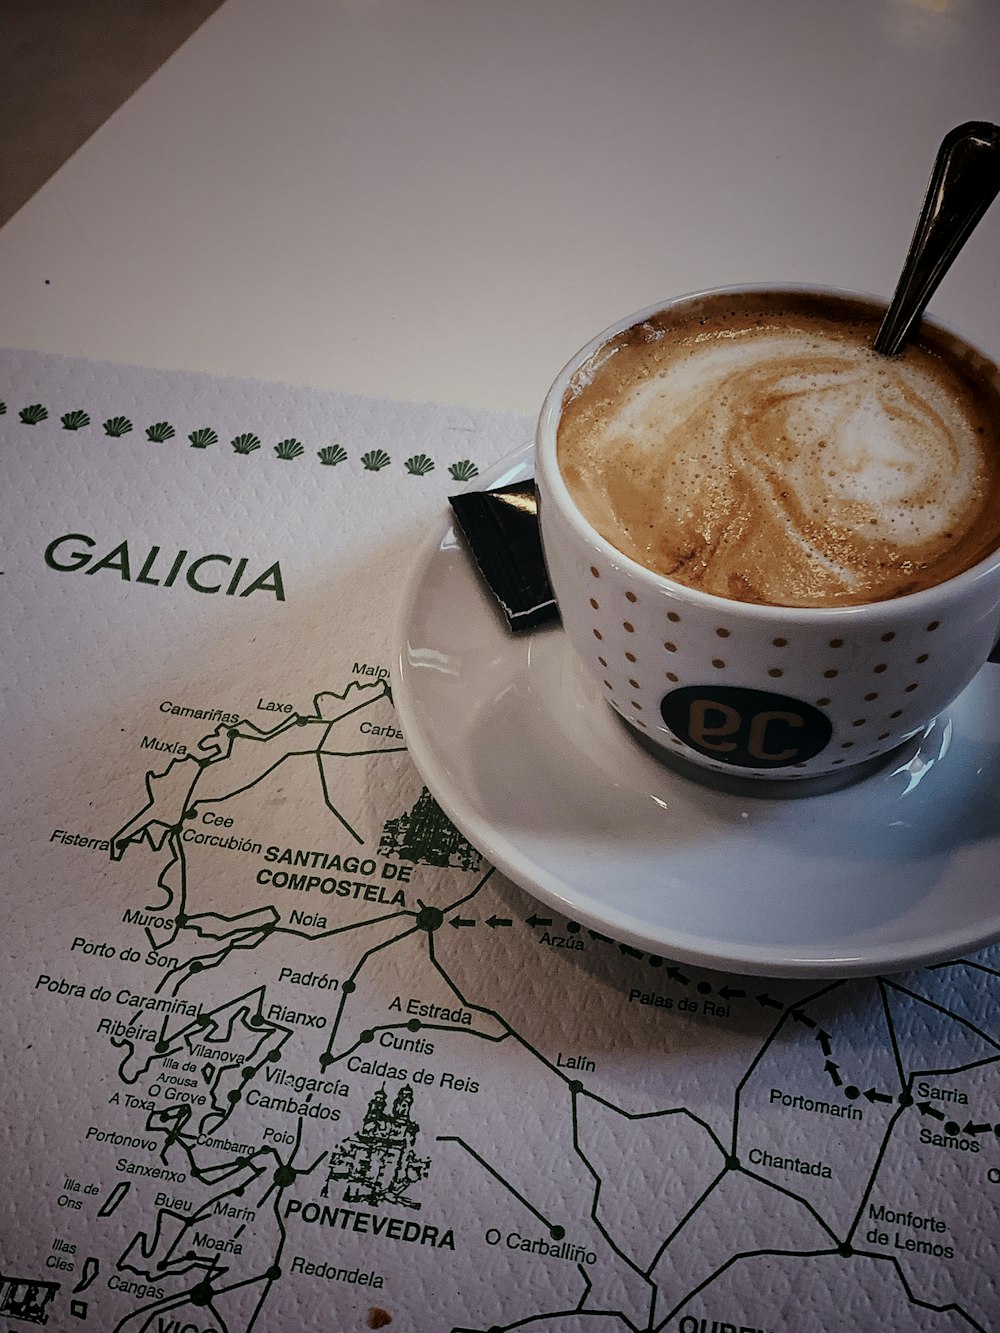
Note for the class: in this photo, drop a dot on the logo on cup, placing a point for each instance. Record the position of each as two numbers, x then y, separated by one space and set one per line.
744 727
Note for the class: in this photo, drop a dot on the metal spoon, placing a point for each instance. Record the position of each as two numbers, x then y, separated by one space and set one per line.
963 184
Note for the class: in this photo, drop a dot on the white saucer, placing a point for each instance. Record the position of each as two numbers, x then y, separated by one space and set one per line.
528 761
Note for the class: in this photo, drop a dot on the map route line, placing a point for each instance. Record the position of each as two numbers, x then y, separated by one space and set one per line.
967 962
943 1009
891 1029
546 1315
328 802
733 1259
577 1088
789 1194
555 1231
595 1201
870 1185
683 1221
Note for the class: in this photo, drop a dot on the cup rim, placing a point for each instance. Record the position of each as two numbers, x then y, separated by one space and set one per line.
557 491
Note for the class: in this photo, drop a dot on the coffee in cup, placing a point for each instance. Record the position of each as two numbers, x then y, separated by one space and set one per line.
776 551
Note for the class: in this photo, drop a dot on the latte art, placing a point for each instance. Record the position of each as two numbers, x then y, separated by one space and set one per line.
769 456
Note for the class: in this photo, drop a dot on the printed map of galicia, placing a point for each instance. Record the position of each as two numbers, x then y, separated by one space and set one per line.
346 1074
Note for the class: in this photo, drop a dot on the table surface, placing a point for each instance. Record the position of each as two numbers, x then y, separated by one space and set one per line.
440 201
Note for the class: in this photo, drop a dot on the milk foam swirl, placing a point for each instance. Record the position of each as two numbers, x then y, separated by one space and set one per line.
786 465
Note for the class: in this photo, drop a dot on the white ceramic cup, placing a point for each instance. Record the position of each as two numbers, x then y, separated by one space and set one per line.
772 694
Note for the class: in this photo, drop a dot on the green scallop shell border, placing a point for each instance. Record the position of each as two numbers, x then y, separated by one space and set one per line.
329 455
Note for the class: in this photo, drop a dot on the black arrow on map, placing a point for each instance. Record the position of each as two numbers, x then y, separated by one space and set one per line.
823 1038
730 993
676 974
605 939
927 1108
801 1017
494 921
457 921
874 1096
629 951
834 1072
537 921
971 1128
767 1002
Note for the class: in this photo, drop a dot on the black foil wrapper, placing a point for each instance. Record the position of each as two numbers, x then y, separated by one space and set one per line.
501 530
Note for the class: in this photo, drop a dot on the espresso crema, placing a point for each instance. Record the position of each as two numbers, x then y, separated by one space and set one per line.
759 450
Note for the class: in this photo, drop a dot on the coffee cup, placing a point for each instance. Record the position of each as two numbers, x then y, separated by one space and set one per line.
776 553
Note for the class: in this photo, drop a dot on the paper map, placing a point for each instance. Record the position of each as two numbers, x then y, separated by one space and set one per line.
282 1052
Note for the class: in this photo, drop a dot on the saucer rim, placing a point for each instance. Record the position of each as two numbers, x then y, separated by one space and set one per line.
501 852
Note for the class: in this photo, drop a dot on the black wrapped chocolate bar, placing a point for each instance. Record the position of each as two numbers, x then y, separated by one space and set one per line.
501 530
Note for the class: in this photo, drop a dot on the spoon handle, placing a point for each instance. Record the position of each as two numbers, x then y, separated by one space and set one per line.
963 184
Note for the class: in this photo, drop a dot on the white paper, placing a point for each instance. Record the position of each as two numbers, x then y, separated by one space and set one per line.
281 1052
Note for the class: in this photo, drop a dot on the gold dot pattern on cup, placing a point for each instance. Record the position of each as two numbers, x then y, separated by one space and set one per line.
602 661
846 745
639 723
672 675
922 658
873 694
673 617
836 643
630 596
780 643
609 685
630 657
628 627
859 722
595 571
822 703
595 604
775 671
670 647
718 663
884 736
598 634
888 638
898 713
881 666
635 705
634 683
933 625
830 673
911 687
722 633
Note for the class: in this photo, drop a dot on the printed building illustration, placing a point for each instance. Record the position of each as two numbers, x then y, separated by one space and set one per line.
379 1162
26 1298
425 834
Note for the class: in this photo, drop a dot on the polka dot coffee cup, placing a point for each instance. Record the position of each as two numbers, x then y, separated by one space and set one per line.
773 694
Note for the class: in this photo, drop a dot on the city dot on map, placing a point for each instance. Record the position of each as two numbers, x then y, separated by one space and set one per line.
952 1127
347 988
367 1035
202 1293
181 919
246 1072
414 1024
704 988
195 966
573 927
845 1251
575 1085
161 1046
852 1092
655 960
906 1099
430 918
325 1060
235 1095
557 1232
273 1273
190 813
733 1162
284 1176
273 1056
